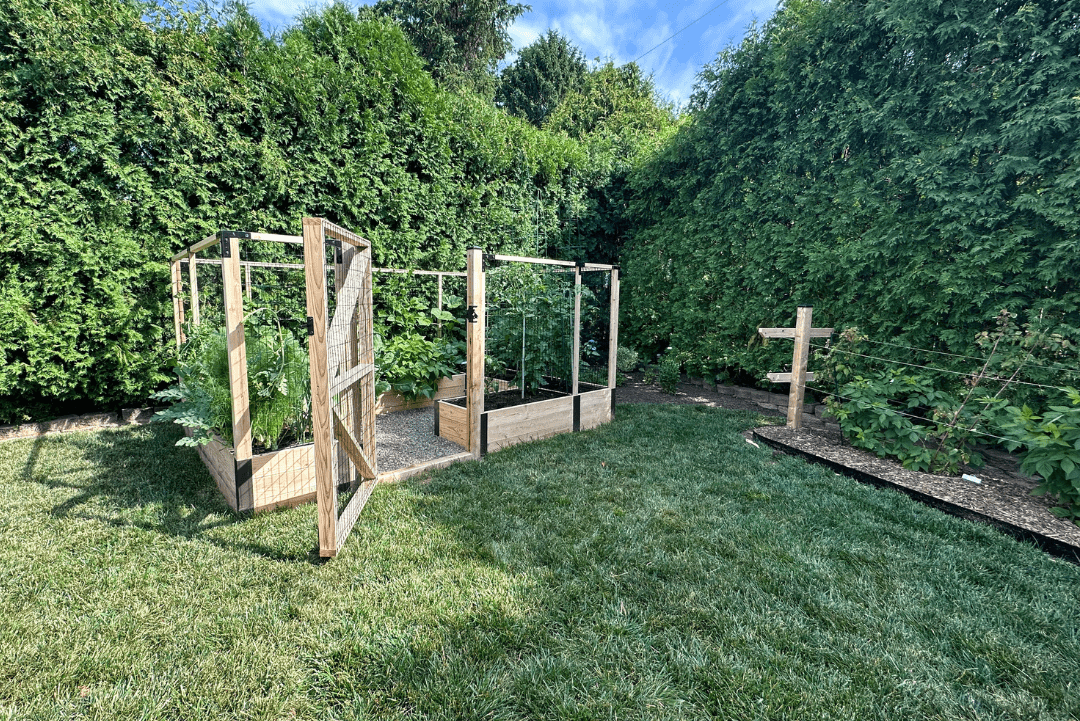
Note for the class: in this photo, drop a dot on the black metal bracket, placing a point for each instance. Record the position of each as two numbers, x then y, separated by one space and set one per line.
310 325
489 261
337 244
227 236
581 265
471 315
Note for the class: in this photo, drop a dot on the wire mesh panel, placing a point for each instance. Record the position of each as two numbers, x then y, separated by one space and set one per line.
339 303
529 332
595 328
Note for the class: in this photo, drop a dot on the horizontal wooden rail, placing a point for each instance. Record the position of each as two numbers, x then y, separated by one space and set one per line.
790 332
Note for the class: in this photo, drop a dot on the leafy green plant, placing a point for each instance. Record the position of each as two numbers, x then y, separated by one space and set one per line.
648 377
1052 443
279 392
626 359
670 370
900 414
530 314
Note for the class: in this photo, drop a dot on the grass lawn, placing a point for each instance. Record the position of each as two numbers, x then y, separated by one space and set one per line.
659 567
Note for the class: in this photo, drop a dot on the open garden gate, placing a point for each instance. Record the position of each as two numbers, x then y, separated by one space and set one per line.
338 272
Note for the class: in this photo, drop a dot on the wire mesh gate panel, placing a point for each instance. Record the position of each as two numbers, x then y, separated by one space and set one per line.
338 270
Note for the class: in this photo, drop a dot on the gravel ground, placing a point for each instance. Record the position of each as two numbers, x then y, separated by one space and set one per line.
405 438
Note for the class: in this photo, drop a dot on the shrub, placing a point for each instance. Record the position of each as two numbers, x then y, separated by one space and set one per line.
626 359
1052 441
670 369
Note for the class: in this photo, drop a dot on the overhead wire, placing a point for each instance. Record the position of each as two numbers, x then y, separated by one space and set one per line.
715 7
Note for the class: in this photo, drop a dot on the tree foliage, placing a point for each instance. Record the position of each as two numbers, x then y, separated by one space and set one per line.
541 76
461 41
910 168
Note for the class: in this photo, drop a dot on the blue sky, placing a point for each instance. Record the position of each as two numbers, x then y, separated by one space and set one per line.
620 30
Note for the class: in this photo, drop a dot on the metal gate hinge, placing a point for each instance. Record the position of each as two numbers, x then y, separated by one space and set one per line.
471 315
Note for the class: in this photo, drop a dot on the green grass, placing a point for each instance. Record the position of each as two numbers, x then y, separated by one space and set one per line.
659 567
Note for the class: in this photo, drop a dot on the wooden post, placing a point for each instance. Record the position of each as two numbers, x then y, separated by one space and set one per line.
802 333
193 281
322 428
177 303
238 378
440 303
576 359
247 278
613 331
798 366
364 329
474 338
340 460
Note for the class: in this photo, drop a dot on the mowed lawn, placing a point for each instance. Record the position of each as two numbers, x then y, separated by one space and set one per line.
659 567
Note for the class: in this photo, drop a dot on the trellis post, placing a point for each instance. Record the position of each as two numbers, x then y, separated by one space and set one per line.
802 333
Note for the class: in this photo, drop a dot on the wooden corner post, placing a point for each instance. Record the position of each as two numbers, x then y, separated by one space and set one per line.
238 379
177 286
474 338
575 368
802 333
322 427
613 332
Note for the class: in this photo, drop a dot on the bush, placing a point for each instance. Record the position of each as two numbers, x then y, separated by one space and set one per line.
626 359
670 373
1052 443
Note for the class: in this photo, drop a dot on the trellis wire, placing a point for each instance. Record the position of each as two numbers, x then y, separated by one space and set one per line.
1054 366
966 374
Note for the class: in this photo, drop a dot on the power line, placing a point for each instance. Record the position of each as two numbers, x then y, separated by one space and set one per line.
710 10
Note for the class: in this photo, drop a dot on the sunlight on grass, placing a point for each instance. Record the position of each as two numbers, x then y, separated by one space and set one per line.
659 567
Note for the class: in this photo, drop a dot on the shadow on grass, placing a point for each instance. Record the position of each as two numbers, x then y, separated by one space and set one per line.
138 477
663 567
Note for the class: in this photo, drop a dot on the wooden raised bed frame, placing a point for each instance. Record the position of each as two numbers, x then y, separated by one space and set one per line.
286 477
484 431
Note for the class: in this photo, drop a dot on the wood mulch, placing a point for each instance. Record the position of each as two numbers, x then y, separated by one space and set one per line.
1003 498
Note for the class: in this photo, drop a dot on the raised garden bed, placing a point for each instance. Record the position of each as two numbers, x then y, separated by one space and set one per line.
549 413
1003 498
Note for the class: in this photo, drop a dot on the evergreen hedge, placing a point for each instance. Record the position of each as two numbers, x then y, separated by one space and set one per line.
128 131
907 167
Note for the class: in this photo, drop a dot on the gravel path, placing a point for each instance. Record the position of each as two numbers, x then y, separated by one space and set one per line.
405 438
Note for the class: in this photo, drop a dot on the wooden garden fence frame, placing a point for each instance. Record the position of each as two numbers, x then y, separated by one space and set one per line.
476 300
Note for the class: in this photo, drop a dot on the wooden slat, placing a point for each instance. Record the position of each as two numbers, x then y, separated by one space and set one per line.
403 473
530 422
790 332
177 289
346 236
575 357
454 424
253 264
803 325
535 261
276 238
613 330
352 448
595 408
474 352
786 377
363 341
391 402
322 425
285 477
193 282
440 273
238 378
347 297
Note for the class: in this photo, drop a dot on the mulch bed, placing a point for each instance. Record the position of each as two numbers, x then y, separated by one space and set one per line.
1003 499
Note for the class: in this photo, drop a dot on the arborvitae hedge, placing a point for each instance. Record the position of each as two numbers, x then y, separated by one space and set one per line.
909 167
128 131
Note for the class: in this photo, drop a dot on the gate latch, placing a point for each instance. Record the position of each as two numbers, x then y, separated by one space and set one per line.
470 314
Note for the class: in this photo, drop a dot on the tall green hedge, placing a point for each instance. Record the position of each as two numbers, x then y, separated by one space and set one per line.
128 131
910 167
